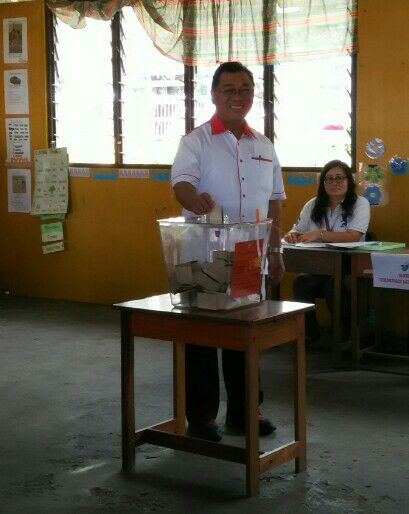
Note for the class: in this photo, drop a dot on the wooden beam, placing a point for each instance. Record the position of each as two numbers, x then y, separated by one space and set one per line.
193 445
279 456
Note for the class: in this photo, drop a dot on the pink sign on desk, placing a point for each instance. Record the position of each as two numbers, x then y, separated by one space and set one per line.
246 275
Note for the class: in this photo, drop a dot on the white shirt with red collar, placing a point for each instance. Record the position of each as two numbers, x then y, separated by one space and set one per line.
240 175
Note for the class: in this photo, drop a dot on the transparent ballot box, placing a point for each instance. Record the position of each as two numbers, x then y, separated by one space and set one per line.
214 266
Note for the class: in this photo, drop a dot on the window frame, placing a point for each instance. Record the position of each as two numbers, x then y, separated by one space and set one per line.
189 76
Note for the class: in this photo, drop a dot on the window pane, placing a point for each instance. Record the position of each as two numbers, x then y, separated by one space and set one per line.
312 107
83 95
153 98
204 108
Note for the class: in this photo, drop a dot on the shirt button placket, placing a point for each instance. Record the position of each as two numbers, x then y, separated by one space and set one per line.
240 171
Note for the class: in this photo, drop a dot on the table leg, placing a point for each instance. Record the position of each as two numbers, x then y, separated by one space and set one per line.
337 321
252 432
377 299
179 387
299 397
128 396
355 329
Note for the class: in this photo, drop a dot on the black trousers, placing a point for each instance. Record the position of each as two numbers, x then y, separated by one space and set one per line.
202 384
308 287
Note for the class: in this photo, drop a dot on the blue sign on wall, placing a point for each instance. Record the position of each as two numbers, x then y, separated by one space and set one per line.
103 174
300 180
160 175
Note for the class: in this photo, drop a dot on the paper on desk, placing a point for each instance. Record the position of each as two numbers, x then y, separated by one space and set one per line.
351 244
390 270
312 244
386 245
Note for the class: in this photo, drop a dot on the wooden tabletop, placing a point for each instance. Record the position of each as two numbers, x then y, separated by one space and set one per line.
258 313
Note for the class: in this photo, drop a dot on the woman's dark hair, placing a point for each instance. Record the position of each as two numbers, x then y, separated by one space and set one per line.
322 201
230 67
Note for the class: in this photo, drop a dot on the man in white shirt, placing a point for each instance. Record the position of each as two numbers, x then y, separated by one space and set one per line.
225 162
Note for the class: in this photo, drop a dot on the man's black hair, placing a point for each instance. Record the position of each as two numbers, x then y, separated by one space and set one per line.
230 67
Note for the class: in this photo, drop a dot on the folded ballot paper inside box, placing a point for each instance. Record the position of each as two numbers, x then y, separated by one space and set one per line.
215 266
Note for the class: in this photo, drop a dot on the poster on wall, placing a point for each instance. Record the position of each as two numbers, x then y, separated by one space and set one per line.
16 91
18 140
51 181
19 190
15 40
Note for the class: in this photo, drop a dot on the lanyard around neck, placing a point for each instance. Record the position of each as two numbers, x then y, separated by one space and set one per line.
327 225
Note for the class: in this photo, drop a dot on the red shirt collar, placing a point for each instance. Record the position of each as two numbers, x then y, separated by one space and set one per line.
218 126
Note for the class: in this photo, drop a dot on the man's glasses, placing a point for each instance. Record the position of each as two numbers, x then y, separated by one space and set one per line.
335 180
244 92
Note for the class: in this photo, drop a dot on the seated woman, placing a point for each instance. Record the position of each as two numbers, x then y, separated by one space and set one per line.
337 214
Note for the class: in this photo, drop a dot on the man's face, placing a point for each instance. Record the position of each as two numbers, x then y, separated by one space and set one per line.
233 97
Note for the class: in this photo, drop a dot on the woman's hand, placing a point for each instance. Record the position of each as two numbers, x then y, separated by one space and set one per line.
292 236
307 237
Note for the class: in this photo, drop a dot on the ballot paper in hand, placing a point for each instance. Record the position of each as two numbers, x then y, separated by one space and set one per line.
216 214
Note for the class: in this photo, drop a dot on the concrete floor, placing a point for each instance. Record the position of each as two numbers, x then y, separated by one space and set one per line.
60 427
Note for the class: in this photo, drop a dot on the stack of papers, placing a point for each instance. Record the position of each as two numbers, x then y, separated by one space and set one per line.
384 245
357 244
373 246
313 244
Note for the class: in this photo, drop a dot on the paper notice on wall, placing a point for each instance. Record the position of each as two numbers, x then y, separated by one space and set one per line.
51 181
19 190
133 173
57 215
15 40
78 172
52 232
18 140
53 247
16 91
390 270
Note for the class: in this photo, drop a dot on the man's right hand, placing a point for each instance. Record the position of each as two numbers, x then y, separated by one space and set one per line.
197 203
202 204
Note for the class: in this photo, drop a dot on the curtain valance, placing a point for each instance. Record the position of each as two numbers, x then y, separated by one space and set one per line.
206 32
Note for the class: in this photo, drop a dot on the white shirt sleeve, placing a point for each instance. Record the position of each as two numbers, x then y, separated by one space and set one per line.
278 185
360 217
303 223
186 166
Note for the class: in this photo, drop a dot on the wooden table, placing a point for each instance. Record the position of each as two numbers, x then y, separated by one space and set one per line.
323 261
250 330
361 269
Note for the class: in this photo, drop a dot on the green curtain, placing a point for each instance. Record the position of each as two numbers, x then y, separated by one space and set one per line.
206 32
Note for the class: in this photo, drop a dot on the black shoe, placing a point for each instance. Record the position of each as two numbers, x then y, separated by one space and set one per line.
208 431
265 426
